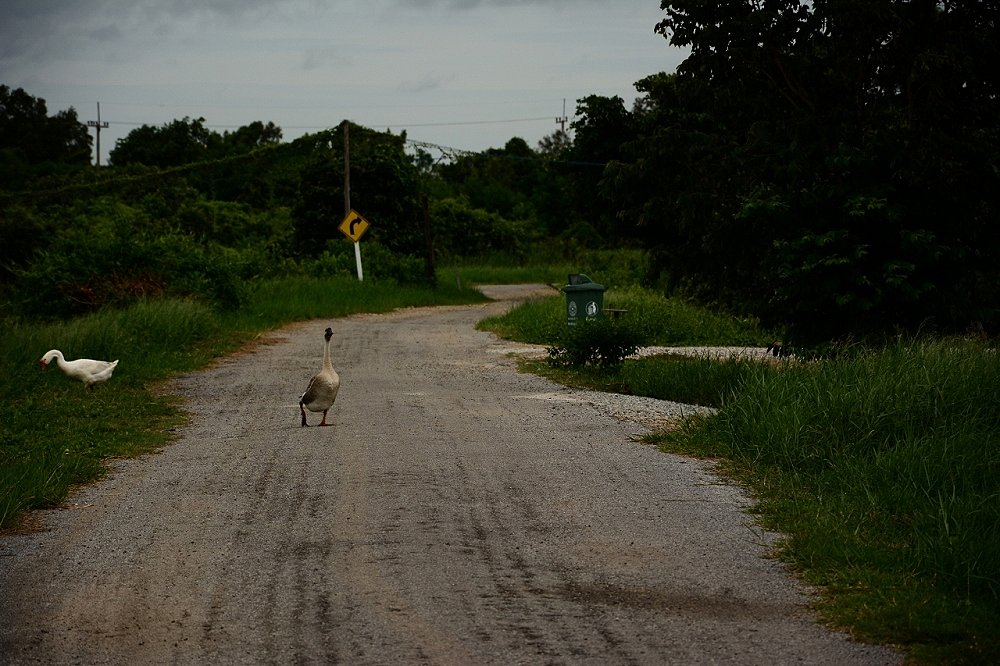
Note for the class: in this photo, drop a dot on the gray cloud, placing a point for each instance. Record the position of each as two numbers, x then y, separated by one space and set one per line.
45 28
475 4
315 59
426 84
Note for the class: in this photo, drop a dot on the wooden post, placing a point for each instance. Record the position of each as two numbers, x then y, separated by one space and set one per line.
347 168
429 237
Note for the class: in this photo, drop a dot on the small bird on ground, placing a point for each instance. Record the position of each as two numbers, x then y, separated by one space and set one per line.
86 370
322 390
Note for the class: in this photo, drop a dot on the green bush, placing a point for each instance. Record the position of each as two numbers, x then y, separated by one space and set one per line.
598 342
337 260
380 263
92 261
463 231
223 222
219 275
109 254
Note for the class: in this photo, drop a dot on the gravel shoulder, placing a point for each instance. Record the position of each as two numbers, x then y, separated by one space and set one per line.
458 512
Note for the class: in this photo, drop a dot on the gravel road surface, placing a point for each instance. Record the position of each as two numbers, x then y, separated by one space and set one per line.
458 512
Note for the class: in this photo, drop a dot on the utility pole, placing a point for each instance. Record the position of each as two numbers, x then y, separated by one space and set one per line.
561 120
98 125
347 167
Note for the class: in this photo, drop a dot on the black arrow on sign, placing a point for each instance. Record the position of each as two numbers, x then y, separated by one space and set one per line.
355 221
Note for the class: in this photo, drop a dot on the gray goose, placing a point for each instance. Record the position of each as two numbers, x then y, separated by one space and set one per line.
322 390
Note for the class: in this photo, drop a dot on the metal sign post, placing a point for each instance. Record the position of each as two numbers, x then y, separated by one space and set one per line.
357 260
354 227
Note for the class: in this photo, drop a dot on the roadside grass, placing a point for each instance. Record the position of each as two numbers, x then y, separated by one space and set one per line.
879 466
882 468
693 380
54 433
650 316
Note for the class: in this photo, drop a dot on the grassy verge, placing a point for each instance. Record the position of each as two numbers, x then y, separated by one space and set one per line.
881 467
54 434
883 470
655 319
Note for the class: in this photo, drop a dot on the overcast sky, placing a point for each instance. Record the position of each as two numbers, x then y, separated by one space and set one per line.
467 74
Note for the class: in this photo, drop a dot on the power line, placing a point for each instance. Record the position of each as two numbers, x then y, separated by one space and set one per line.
469 122
460 152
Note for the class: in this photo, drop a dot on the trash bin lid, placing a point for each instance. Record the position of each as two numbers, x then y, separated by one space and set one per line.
580 282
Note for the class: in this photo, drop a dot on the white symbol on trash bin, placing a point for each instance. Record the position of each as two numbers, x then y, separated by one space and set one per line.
572 308
592 309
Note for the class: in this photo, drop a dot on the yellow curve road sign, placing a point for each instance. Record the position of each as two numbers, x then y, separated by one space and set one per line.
354 226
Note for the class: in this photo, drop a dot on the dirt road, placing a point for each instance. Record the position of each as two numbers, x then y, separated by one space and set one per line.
457 513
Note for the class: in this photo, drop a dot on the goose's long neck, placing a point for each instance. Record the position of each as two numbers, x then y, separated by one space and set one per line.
327 362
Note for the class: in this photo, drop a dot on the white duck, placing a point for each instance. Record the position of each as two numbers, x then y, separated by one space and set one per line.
322 390
86 370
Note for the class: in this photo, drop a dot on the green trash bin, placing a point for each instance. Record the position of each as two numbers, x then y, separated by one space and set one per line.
584 299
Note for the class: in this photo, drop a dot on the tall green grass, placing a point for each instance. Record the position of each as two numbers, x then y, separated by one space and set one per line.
882 467
695 380
54 434
649 316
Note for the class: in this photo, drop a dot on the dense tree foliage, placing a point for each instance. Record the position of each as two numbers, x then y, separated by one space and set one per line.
33 143
602 128
185 141
505 181
553 189
832 165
